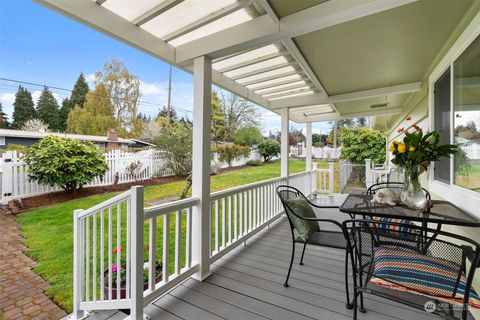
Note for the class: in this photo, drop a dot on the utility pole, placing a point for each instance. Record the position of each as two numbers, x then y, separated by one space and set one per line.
169 91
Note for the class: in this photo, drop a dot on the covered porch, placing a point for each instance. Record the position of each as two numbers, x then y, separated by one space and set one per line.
223 254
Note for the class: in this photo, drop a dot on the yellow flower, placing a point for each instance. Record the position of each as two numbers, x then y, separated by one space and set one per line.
402 147
396 142
392 147
411 149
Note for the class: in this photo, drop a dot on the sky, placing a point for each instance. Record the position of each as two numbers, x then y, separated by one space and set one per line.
42 47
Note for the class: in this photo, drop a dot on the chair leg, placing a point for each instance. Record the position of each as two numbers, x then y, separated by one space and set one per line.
303 253
348 305
291 263
355 302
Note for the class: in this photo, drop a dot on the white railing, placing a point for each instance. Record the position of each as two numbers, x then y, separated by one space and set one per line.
111 255
126 256
238 213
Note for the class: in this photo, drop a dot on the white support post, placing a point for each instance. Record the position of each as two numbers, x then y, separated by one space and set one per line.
368 173
136 236
330 178
77 265
202 93
285 148
309 147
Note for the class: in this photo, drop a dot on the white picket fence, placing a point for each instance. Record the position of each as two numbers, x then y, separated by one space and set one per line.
320 153
16 184
472 151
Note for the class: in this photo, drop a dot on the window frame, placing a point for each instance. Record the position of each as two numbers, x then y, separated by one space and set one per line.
463 197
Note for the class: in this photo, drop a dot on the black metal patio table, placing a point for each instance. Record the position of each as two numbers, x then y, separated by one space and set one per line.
440 213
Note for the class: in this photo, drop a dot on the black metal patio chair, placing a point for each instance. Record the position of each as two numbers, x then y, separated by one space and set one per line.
305 228
433 276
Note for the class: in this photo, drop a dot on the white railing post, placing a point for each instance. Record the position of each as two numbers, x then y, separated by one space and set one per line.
308 135
7 178
330 176
136 236
368 173
77 265
314 177
202 92
284 149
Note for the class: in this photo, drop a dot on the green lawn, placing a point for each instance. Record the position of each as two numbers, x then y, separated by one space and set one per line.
48 231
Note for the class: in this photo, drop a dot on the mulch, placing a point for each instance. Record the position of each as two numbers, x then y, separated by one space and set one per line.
18 206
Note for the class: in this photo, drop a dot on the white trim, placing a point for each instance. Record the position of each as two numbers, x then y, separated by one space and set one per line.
466 199
155 11
378 92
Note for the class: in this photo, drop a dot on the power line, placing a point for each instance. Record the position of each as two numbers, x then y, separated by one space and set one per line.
140 102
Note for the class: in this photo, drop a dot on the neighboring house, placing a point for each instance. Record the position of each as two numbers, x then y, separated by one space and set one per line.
110 141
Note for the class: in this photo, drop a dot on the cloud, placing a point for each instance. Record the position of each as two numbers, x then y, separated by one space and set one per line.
90 78
152 88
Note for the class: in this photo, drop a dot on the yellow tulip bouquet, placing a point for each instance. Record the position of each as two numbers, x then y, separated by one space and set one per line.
413 155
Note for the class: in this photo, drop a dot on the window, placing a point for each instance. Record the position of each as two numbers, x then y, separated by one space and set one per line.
442 123
466 107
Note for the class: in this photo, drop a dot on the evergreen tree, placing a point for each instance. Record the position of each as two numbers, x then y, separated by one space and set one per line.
77 98
218 120
164 113
4 124
23 108
96 116
47 110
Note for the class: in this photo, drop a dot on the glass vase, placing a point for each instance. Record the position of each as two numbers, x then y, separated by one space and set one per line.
412 194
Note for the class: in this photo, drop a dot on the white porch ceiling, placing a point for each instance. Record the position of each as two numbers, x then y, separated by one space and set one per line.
281 53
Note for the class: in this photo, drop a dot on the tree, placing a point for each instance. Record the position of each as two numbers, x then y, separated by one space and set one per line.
238 113
77 98
248 135
229 152
67 163
4 124
23 108
35 125
268 149
95 117
175 139
168 112
218 120
47 109
362 122
359 144
123 88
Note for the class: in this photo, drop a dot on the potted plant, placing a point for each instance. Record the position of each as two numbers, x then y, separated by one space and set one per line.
413 155
120 271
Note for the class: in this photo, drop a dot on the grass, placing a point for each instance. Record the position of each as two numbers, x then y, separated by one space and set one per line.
48 231
472 180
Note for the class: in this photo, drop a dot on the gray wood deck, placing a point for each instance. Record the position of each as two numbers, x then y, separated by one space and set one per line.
248 284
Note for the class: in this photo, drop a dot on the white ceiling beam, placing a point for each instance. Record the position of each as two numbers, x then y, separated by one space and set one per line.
268 10
156 11
300 101
273 85
255 60
284 88
105 21
266 69
206 20
289 73
378 92
262 30
100 2
332 116
289 92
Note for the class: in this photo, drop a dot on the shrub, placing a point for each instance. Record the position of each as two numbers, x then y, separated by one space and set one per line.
253 163
20 148
67 163
134 169
230 152
359 144
268 149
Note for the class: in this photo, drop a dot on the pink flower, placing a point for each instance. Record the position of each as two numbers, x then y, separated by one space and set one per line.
148 247
401 130
408 118
116 268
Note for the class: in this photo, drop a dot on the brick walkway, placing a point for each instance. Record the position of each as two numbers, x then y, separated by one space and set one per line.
21 290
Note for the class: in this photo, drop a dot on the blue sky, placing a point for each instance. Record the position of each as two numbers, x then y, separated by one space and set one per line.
40 46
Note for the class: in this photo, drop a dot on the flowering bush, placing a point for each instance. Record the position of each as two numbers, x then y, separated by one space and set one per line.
419 149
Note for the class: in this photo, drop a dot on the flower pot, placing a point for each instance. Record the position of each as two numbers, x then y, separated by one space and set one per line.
123 290
412 194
